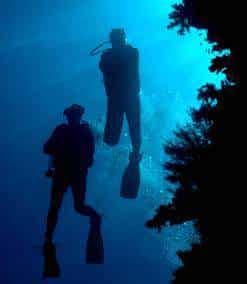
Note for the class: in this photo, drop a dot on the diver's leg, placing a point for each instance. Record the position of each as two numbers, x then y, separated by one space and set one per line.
114 121
78 185
133 115
57 192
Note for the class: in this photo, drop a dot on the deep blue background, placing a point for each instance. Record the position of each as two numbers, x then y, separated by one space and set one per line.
44 66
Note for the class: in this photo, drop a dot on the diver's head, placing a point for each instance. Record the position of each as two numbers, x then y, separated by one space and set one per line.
74 114
117 37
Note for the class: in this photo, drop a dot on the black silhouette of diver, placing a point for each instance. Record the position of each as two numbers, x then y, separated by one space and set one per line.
120 68
71 147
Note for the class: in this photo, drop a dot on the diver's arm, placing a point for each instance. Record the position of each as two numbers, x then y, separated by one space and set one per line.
91 148
138 71
105 64
106 71
50 145
135 69
102 63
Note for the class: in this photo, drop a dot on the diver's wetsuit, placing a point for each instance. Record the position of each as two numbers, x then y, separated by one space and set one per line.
72 150
120 68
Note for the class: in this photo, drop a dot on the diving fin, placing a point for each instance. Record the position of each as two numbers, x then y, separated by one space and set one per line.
131 180
95 245
51 266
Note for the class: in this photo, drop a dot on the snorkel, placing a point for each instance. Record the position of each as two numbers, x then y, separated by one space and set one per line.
117 38
97 50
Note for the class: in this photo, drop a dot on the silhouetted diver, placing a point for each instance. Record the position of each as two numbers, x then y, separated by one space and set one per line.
120 68
71 147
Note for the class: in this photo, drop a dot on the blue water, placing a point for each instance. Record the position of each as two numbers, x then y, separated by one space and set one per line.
44 66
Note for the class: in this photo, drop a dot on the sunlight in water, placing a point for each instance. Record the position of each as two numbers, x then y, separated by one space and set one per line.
45 54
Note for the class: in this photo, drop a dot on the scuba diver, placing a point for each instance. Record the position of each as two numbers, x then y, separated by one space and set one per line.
71 147
120 68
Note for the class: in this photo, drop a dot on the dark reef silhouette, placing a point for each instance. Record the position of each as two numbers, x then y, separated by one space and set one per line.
204 159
